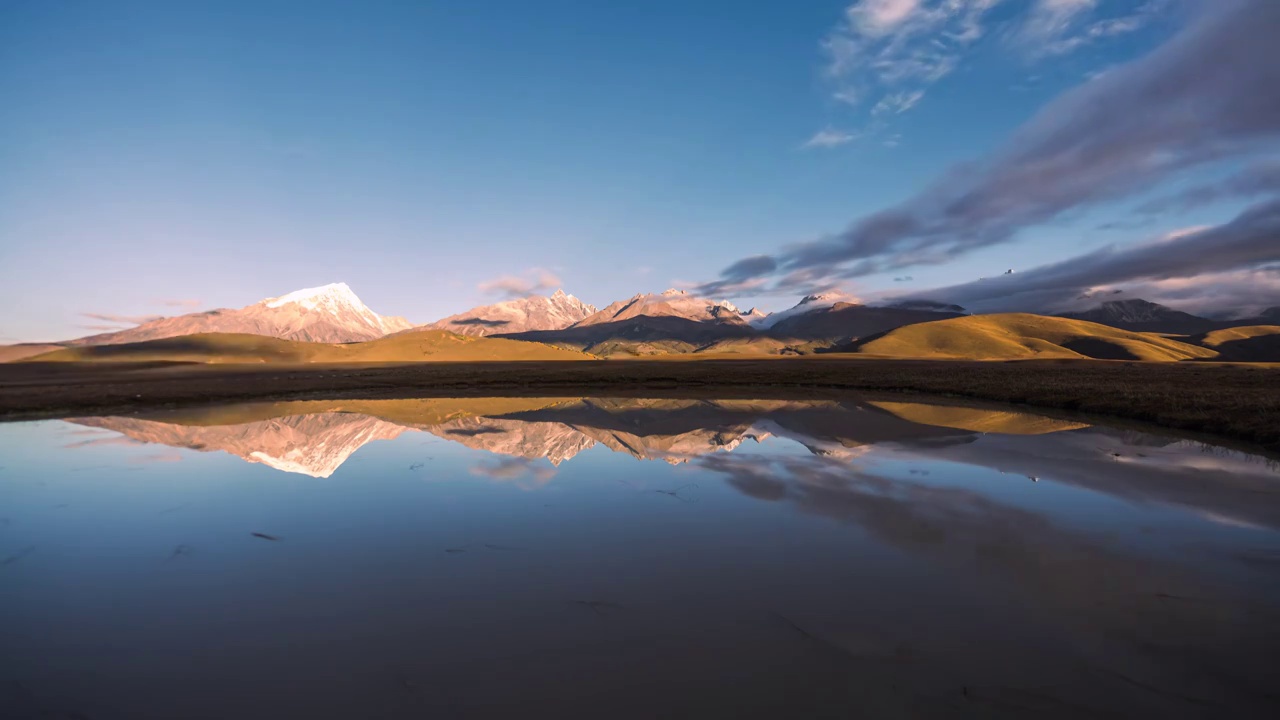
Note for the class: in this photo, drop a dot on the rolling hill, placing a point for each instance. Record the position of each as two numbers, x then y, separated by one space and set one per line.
1252 343
1012 336
14 353
421 346
845 321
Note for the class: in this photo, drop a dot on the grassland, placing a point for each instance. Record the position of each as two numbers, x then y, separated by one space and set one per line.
1012 336
226 348
1225 401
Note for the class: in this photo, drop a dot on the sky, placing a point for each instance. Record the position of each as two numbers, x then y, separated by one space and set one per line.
158 158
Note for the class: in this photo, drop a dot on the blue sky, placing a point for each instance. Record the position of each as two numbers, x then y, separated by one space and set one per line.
156 157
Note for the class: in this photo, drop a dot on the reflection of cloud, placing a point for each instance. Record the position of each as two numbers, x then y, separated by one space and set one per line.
157 458
109 440
526 473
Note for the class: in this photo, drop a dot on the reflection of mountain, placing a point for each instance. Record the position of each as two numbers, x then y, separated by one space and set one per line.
314 445
528 440
315 437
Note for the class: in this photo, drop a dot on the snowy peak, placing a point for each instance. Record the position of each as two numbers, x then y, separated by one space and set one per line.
669 303
809 303
334 296
535 312
329 313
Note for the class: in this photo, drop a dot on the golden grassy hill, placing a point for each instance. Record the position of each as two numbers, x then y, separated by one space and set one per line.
421 346
751 346
1251 343
13 353
1012 336
977 419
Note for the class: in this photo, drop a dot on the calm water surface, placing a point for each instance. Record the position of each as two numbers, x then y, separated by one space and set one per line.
631 558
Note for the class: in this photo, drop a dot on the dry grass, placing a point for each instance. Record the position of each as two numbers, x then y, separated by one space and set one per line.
1240 402
12 353
224 348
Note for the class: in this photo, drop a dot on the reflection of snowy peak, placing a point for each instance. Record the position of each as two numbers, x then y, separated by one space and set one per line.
314 445
555 441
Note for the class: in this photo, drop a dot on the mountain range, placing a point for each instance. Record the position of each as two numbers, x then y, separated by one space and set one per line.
327 314
535 312
670 322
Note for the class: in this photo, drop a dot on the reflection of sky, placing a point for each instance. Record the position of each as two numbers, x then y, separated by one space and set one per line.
417 546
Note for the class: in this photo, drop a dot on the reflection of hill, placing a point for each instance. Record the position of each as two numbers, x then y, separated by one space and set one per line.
977 420
314 445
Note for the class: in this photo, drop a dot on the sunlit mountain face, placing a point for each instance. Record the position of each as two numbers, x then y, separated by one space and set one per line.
919 559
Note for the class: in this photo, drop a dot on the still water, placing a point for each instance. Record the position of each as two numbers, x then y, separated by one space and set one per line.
631 558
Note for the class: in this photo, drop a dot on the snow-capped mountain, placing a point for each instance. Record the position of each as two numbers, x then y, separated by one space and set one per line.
808 303
536 312
670 303
330 313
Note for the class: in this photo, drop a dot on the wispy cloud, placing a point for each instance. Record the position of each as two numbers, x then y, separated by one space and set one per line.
1058 27
828 138
1235 265
189 304
121 319
886 53
883 56
515 286
1205 97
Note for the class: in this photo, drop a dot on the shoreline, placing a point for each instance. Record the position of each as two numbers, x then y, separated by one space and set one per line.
1236 403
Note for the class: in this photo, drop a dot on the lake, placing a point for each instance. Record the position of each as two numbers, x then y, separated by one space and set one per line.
639 558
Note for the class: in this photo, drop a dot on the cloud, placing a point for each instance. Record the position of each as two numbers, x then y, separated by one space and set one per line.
182 303
1204 97
1230 263
1260 178
102 328
1058 27
121 319
512 286
895 49
827 138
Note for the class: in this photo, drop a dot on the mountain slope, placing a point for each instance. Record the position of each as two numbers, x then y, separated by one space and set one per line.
808 303
1143 316
420 346
654 324
1018 336
671 303
536 312
327 314
843 321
